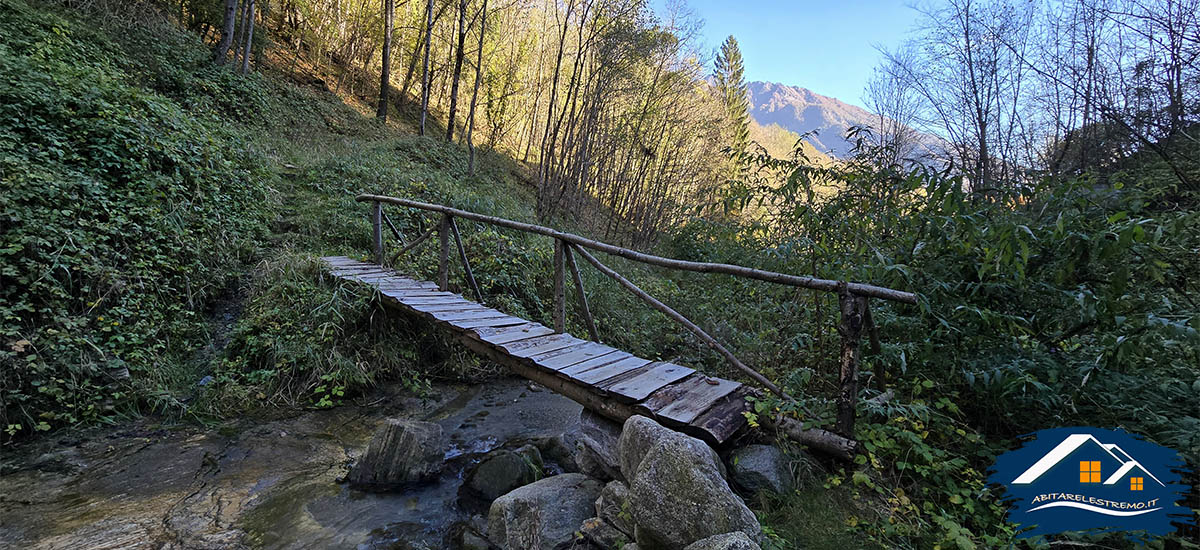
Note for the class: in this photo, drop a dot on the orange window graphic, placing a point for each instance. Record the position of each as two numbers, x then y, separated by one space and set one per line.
1135 484
1089 471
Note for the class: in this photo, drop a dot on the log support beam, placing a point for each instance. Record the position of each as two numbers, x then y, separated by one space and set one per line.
443 273
853 311
377 231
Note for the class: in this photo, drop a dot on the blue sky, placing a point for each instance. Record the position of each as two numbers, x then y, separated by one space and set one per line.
825 46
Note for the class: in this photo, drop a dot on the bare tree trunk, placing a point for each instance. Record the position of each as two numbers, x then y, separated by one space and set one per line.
249 38
458 63
227 26
241 33
425 84
475 91
385 76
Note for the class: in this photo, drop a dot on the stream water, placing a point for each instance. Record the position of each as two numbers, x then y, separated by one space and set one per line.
265 484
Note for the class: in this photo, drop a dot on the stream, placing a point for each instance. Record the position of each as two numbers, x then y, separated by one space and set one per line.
273 484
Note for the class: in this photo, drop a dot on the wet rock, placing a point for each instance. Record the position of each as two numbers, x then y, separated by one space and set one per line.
560 450
728 541
543 514
603 535
614 507
470 540
589 463
757 468
402 451
596 453
504 470
678 493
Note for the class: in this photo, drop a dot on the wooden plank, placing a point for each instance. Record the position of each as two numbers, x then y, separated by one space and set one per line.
352 273
342 261
453 306
502 321
594 362
360 267
504 335
372 277
610 382
434 300
481 312
414 292
357 265
641 386
725 419
557 360
405 295
534 346
687 399
600 374
407 285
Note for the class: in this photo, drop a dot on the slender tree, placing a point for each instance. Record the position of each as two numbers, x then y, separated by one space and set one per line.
731 84
385 77
458 63
241 33
475 91
221 52
249 38
426 81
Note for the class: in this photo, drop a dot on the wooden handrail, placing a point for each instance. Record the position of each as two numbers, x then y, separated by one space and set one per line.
814 283
852 297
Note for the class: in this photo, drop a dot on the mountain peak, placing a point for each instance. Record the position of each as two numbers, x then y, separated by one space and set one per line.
801 110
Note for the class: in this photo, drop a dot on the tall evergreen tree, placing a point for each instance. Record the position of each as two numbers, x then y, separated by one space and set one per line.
732 85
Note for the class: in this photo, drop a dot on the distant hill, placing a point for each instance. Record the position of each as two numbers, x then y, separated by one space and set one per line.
780 142
801 110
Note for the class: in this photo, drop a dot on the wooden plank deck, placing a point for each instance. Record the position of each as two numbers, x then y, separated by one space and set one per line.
609 381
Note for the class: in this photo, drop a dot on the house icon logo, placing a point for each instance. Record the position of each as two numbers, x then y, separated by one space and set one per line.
1077 479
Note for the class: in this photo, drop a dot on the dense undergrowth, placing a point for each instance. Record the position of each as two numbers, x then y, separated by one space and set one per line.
141 184
127 208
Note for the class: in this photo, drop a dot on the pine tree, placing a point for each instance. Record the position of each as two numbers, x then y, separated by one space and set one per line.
732 86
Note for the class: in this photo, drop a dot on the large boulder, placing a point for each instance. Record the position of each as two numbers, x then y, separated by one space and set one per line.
678 493
728 541
543 514
758 468
596 448
615 507
504 470
641 434
401 452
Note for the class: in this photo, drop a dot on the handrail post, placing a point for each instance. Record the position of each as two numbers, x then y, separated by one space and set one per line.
583 303
466 264
853 314
560 302
377 231
443 274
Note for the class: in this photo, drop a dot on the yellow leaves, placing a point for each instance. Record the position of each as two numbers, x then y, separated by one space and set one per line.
20 345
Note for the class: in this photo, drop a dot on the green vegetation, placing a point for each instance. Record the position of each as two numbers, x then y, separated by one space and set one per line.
143 187
127 208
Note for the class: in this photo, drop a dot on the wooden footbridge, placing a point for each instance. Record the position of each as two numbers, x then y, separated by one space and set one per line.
604 379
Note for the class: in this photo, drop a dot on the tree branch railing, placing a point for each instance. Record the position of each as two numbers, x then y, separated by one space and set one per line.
853 297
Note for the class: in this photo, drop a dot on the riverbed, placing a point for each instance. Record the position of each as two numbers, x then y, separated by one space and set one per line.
262 484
